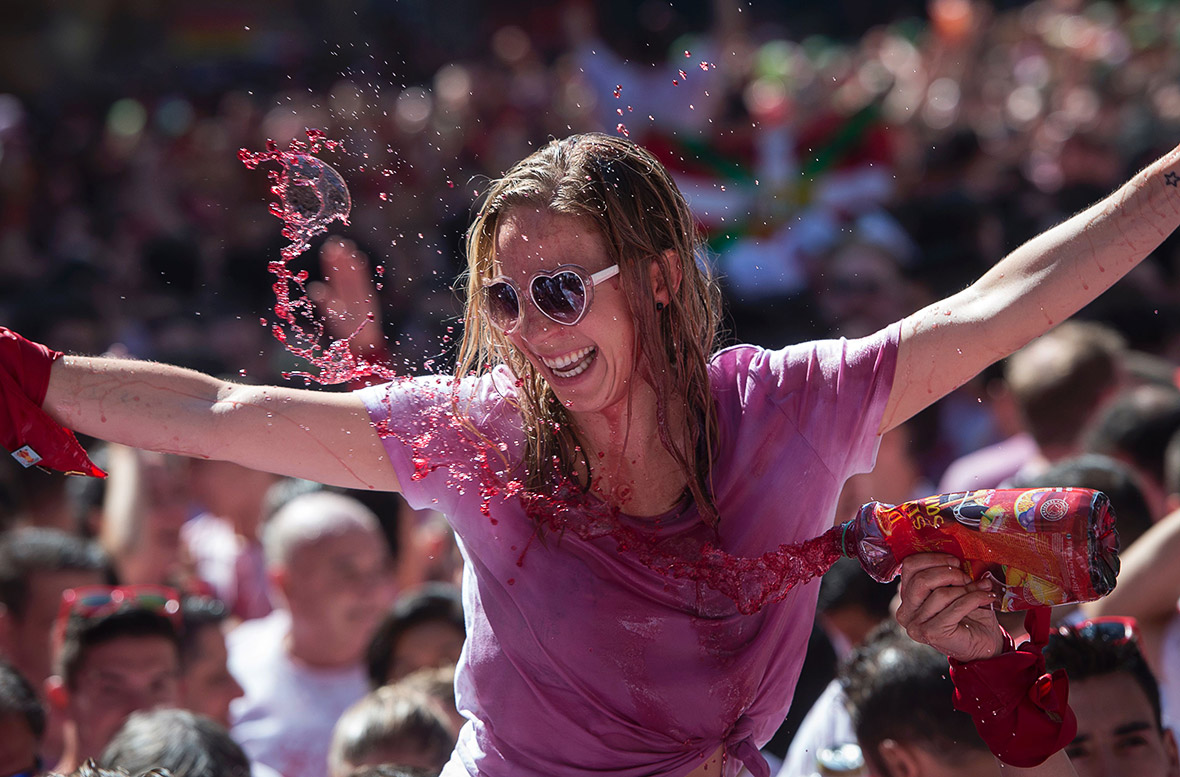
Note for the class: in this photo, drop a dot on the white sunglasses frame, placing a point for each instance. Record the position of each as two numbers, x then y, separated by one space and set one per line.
589 281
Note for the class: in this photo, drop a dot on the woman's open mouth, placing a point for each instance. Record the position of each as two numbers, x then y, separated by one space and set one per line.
572 364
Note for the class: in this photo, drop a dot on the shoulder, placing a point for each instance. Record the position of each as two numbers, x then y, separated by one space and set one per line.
831 359
428 396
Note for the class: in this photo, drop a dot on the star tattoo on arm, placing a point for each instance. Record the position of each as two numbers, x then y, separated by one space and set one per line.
1171 179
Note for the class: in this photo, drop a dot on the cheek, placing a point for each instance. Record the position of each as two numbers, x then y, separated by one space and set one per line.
101 708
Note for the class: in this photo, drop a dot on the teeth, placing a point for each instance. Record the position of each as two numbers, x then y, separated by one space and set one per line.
561 366
567 360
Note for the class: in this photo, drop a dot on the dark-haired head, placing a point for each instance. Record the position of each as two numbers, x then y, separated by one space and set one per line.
209 688
36 565
1116 700
435 606
1084 655
22 721
899 695
186 744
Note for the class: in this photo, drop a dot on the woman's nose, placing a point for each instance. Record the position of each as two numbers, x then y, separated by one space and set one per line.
533 323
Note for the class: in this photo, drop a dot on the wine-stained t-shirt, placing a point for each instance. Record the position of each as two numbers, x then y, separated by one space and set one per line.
580 658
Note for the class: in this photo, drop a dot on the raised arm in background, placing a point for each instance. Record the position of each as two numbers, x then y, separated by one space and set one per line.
1034 288
318 435
1148 586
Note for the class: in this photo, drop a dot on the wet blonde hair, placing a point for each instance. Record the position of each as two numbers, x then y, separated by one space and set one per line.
641 215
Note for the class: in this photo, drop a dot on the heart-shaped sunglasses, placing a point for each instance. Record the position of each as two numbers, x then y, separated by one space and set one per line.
563 294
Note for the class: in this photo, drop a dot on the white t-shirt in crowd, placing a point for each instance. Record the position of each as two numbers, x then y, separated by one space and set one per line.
827 724
233 566
286 716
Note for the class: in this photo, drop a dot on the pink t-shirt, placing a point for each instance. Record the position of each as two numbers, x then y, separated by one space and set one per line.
580 660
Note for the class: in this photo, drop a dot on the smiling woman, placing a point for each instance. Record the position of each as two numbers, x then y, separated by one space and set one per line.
601 202
608 474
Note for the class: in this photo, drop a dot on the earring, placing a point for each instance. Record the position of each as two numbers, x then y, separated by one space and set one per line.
659 306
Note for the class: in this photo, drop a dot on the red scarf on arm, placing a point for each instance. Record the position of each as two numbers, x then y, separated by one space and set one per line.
25 429
1020 711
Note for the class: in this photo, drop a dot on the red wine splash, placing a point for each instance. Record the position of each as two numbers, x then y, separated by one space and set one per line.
311 195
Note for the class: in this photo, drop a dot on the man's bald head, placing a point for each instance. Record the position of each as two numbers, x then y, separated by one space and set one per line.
308 519
329 561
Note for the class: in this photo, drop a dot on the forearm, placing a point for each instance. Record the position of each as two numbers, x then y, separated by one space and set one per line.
123 503
317 435
141 404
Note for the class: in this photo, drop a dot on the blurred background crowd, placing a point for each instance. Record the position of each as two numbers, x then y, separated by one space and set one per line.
849 161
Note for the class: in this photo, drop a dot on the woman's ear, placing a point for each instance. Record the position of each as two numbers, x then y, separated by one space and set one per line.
897 759
670 260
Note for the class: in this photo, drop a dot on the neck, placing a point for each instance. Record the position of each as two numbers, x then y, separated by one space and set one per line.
71 755
629 465
312 649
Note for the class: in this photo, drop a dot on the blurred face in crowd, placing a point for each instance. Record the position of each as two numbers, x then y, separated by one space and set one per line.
18 746
232 492
25 641
114 679
1117 732
208 685
337 588
863 290
426 645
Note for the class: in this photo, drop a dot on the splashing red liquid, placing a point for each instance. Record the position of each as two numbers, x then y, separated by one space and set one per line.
311 195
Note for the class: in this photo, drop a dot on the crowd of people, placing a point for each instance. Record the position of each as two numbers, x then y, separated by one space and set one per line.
209 619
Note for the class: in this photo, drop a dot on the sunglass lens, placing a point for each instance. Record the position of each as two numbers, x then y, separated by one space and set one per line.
1108 631
562 297
152 601
503 307
92 600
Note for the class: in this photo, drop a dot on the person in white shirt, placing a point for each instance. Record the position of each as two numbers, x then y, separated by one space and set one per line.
301 666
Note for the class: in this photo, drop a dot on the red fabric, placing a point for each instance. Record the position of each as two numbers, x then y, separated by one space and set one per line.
25 429
1021 712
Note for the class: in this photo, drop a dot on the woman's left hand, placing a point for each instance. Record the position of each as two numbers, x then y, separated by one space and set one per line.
943 607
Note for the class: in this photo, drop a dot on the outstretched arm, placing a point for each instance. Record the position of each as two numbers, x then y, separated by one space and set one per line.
318 435
1034 288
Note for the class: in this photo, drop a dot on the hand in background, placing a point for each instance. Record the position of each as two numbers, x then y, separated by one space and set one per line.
347 297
